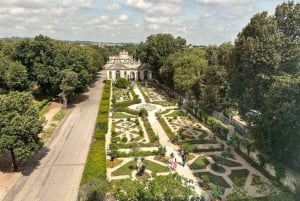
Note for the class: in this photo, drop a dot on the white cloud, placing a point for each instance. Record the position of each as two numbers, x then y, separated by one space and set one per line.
223 2
111 6
123 17
167 7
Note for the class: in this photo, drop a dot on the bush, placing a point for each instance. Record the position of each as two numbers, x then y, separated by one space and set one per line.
143 112
122 83
43 103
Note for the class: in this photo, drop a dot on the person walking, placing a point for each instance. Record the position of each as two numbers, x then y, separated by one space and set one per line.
183 156
175 164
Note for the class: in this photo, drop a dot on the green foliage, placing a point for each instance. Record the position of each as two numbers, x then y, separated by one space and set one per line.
46 60
200 163
69 82
20 125
166 128
168 187
143 112
157 48
43 103
122 83
16 77
60 115
94 190
95 167
102 119
152 137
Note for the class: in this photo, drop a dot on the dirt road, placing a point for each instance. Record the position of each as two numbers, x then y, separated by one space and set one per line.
55 173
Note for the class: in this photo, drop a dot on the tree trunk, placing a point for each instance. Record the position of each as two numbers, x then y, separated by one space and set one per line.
13 159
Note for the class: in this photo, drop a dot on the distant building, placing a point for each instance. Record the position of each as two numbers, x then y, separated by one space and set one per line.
125 66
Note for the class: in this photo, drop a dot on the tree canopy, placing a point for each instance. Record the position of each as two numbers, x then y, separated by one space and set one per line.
20 125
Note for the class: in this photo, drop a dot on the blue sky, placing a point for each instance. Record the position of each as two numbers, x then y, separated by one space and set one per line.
200 22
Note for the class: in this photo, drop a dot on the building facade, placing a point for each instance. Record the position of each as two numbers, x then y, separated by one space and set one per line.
125 66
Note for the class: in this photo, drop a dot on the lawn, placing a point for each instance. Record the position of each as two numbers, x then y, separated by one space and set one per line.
176 113
200 163
224 161
163 103
60 115
120 115
130 166
217 180
240 175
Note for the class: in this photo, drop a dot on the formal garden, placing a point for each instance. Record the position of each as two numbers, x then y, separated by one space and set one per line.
138 144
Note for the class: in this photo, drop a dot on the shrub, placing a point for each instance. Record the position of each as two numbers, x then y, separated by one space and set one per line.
122 83
42 104
124 139
143 112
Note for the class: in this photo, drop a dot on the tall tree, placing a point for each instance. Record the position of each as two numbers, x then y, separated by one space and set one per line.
157 48
20 124
16 77
256 57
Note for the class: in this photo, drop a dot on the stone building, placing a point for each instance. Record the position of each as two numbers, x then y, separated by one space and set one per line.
125 66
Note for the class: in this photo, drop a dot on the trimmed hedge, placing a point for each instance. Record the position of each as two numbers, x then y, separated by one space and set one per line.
213 124
166 128
152 137
95 167
103 112
43 103
136 153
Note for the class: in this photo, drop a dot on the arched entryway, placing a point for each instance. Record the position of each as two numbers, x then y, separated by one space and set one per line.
132 75
145 75
118 74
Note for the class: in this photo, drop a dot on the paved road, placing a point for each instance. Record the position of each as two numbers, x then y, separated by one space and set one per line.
58 174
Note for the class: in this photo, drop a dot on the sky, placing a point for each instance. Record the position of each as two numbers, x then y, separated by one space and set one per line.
200 22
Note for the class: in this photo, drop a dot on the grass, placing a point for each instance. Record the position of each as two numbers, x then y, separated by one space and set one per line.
200 163
44 110
176 113
240 175
217 180
130 166
95 167
60 115
224 161
120 115
48 132
163 103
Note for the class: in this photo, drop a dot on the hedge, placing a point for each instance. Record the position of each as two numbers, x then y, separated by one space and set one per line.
166 128
136 153
95 167
103 112
152 137
42 104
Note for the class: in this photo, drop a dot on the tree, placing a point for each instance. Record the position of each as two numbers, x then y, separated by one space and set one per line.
16 77
277 129
69 82
122 83
256 58
157 48
20 124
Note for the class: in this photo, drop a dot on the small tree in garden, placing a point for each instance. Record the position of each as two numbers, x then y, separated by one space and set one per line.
143 112
122 83
162 150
